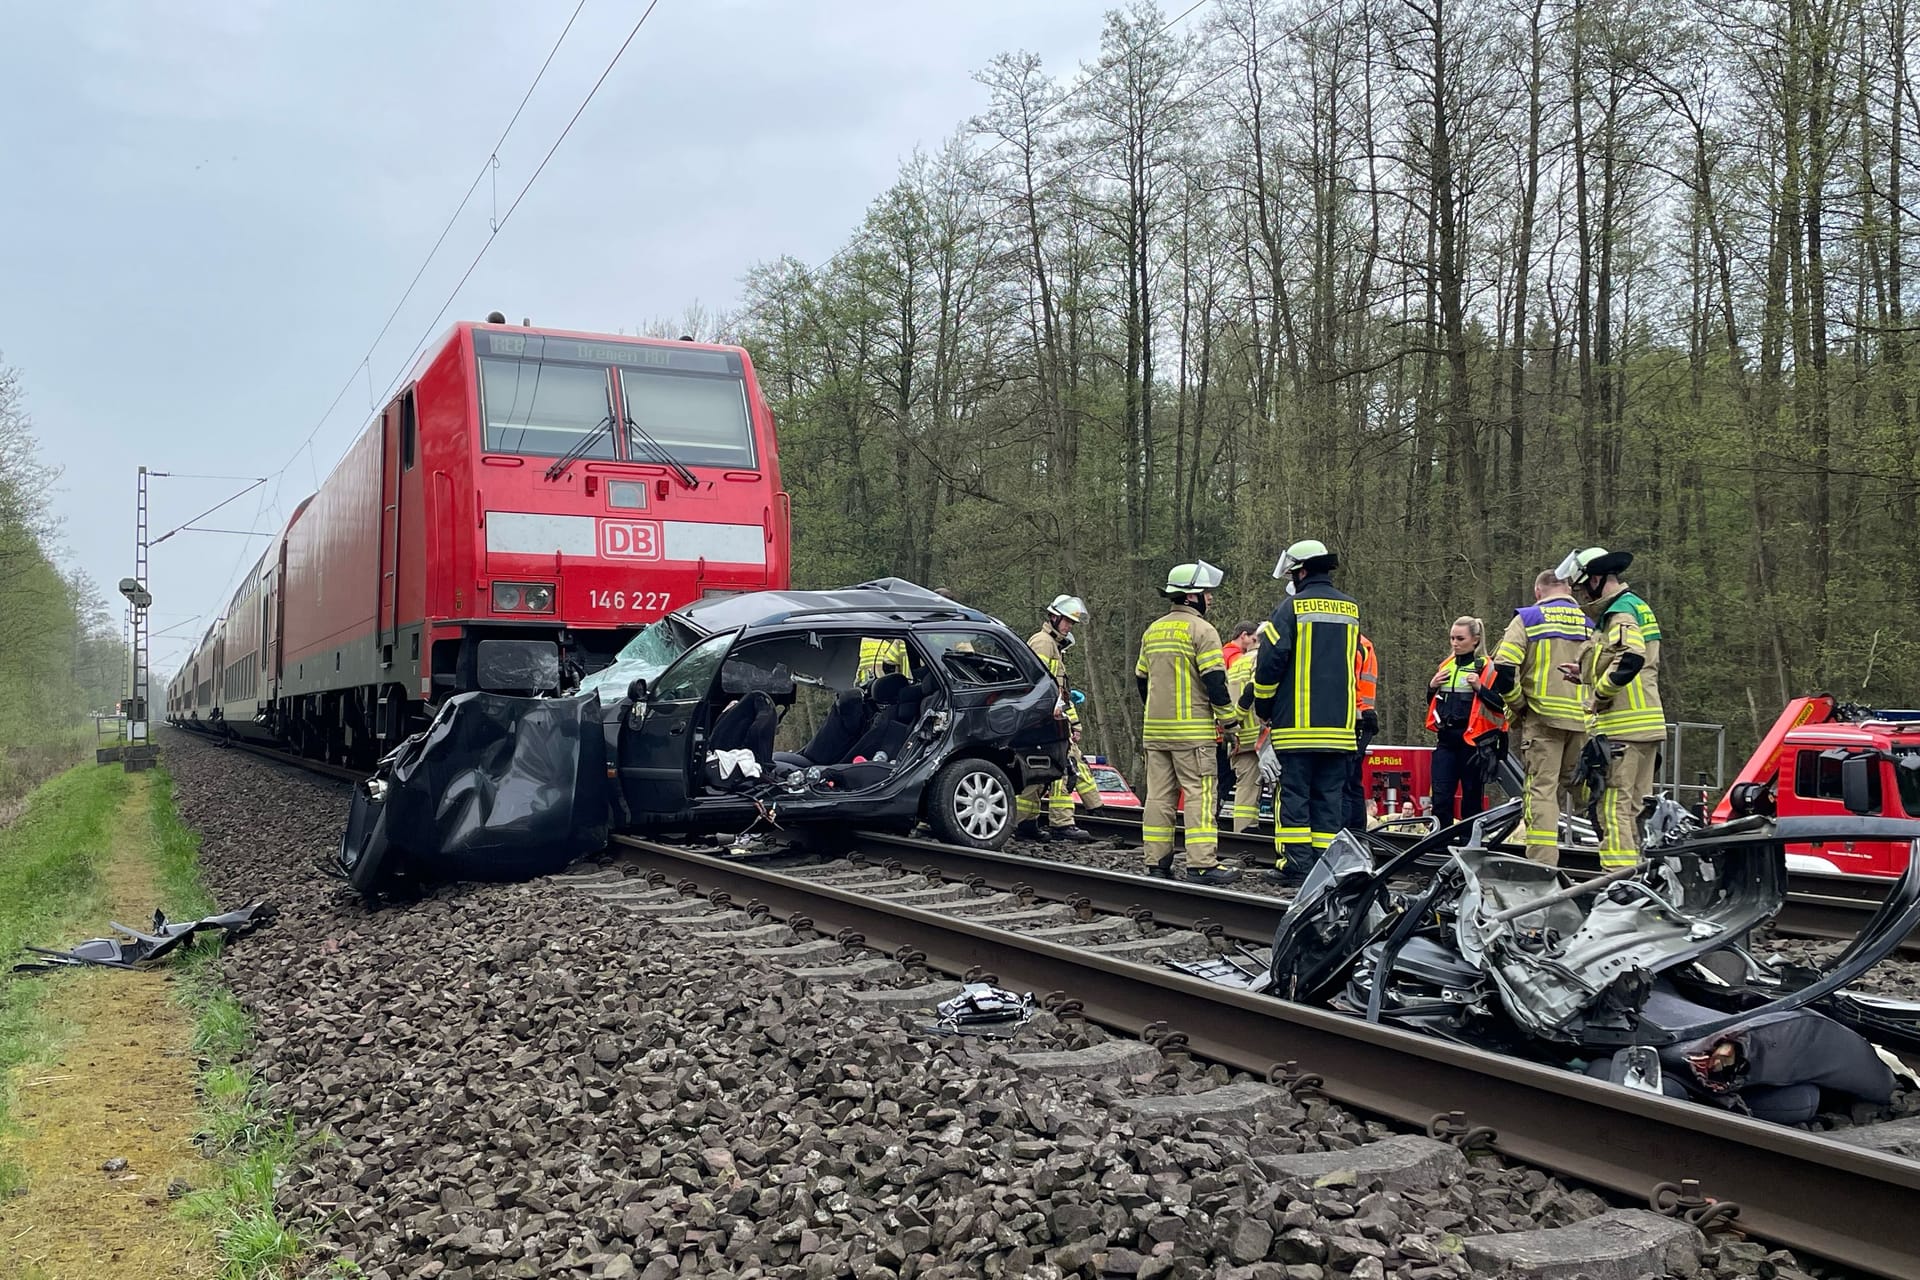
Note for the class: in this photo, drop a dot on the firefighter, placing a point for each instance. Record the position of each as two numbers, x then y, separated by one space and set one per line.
1304 689
1462 709
1183 683
1242 742
1242 639
1050 644
1541 645
1366 690
1621 669
879 658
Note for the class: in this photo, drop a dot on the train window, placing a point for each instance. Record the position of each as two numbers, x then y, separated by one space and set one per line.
408 429
542 408
699 418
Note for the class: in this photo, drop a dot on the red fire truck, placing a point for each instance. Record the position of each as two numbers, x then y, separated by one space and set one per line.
1798 770
528 501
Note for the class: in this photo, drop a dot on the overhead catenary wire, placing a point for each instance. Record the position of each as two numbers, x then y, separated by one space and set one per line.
495 227
407 364
487 166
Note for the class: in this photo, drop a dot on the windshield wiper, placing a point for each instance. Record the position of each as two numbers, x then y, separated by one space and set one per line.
679 469
579 450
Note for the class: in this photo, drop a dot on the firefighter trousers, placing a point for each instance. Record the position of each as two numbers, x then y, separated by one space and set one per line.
1356 811
1550 756
1079 780
1629 782
1313 804
1170 772
1246 790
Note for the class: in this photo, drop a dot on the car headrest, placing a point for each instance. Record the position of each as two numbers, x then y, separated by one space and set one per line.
888 689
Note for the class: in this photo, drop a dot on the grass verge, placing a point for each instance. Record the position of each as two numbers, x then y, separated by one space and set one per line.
250 1146
50 860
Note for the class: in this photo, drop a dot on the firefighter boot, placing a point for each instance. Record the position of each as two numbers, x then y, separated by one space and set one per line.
1076 834
1030 830
1212 875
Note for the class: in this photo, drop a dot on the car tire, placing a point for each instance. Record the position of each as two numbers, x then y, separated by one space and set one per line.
970 802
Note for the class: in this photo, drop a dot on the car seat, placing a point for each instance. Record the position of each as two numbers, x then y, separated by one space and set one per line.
748 725
898 710
834 742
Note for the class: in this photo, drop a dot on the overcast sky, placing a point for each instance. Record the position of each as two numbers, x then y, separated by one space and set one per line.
211 207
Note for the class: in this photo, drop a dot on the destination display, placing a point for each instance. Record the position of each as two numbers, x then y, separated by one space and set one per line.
598 351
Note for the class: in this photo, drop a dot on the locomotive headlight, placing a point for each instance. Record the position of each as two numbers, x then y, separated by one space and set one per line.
523 597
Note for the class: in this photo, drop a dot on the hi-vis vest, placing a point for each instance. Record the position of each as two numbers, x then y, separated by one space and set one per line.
1046 647
1305 678
1540 638
1175 652
876 656
1629 712
1244 733
1470 681
1366 675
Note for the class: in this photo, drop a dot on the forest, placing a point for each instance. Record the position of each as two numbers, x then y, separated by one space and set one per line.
62 654
1453 286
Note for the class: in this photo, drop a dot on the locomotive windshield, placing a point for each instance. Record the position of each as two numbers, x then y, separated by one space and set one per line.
543 395
699 418
539 407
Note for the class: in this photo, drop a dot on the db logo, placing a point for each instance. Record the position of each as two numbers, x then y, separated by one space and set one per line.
630 539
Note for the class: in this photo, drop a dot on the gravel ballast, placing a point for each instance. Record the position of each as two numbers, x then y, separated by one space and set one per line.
550 1080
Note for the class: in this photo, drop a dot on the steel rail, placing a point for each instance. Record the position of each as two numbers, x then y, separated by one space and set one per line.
1249 917
1806 1192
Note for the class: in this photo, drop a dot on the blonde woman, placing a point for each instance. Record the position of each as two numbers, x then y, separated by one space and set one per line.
1451 705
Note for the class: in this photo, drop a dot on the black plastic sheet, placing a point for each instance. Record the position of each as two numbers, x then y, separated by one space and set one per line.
496 788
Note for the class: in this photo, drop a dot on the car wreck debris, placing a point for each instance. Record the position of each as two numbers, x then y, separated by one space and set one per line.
984 1009
1646 976
137 947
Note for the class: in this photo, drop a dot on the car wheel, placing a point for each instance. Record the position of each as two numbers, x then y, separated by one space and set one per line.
971 803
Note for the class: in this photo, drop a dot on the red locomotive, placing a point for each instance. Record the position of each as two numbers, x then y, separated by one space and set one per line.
528 501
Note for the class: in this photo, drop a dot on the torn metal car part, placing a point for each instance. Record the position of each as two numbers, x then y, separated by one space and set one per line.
1644 976
984 1009
496 788
139 947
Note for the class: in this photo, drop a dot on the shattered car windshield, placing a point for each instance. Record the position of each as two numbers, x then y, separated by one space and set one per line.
655 649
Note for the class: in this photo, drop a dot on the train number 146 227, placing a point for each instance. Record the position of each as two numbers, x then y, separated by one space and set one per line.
633 601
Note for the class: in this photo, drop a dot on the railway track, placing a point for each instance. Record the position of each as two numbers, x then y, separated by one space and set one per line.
1797 1189
339 773
1817 907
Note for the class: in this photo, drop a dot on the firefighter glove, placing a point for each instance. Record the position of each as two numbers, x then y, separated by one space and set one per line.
1269 763
1369 722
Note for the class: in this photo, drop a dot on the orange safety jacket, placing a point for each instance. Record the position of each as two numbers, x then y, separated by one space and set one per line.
1482 719
1366 675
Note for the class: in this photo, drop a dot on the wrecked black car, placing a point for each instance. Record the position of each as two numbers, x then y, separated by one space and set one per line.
1647 976
878 706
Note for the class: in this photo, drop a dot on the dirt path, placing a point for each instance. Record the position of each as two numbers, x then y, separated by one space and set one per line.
120 1088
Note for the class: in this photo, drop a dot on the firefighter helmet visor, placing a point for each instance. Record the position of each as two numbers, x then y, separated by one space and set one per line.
1592 562
1308 553
1185 579
1072 608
